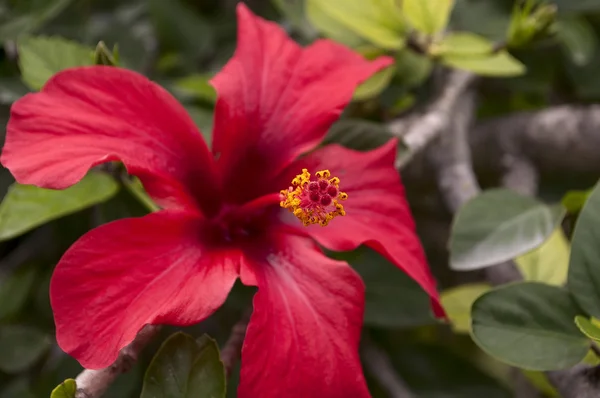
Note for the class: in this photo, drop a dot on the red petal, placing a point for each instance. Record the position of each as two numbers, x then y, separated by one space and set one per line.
302 340
377 213
90 115
277 100
132 272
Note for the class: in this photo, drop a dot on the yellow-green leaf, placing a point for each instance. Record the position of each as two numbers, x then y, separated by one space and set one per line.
428 16
42 57
548 263
540 381
463 43
26 207
457 303
377 21
587 327
66 389
500 64
374 85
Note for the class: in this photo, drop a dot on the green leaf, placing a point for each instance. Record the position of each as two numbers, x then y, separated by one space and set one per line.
573 201
377 21
386 287
15 289
207 377
66 389
21 347
458 301
499 225
41 57
374 85
26 207
587 327
584 269
428 16
500 64
464 43
529 325
548 263
197 86
578 39
185 368
412 69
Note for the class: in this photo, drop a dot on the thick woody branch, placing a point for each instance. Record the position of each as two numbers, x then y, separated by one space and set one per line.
94 383
420 130
451 158
231 351
554 140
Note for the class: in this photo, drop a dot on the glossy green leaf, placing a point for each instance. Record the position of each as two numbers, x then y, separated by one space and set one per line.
14 290
578 39
584 265
386 288
66 389
41 57
377 21
499 225
427 16
458 301
464 43
548 263
21 347
587 327
25 206
529 325
185 368
500 64
197 86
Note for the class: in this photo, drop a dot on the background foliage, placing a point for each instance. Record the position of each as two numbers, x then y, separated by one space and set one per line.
529 57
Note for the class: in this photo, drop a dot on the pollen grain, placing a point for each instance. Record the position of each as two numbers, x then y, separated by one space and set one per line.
314 200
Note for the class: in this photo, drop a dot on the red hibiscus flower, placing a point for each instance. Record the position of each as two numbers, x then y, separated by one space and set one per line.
222 215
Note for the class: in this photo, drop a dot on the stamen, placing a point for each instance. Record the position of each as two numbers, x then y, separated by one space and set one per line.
314 200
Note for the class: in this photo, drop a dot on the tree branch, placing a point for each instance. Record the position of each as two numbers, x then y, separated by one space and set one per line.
94 383
418 131
554 140
231 351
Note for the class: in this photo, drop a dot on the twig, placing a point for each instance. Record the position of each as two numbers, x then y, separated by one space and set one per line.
380 367
420 131
231 351
94 383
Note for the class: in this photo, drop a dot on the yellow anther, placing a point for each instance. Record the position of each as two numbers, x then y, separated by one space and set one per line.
314 200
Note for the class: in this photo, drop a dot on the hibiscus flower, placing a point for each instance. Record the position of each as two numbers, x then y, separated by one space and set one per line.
255 208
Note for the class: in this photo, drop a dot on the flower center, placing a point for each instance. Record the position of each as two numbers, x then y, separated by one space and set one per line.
314 200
